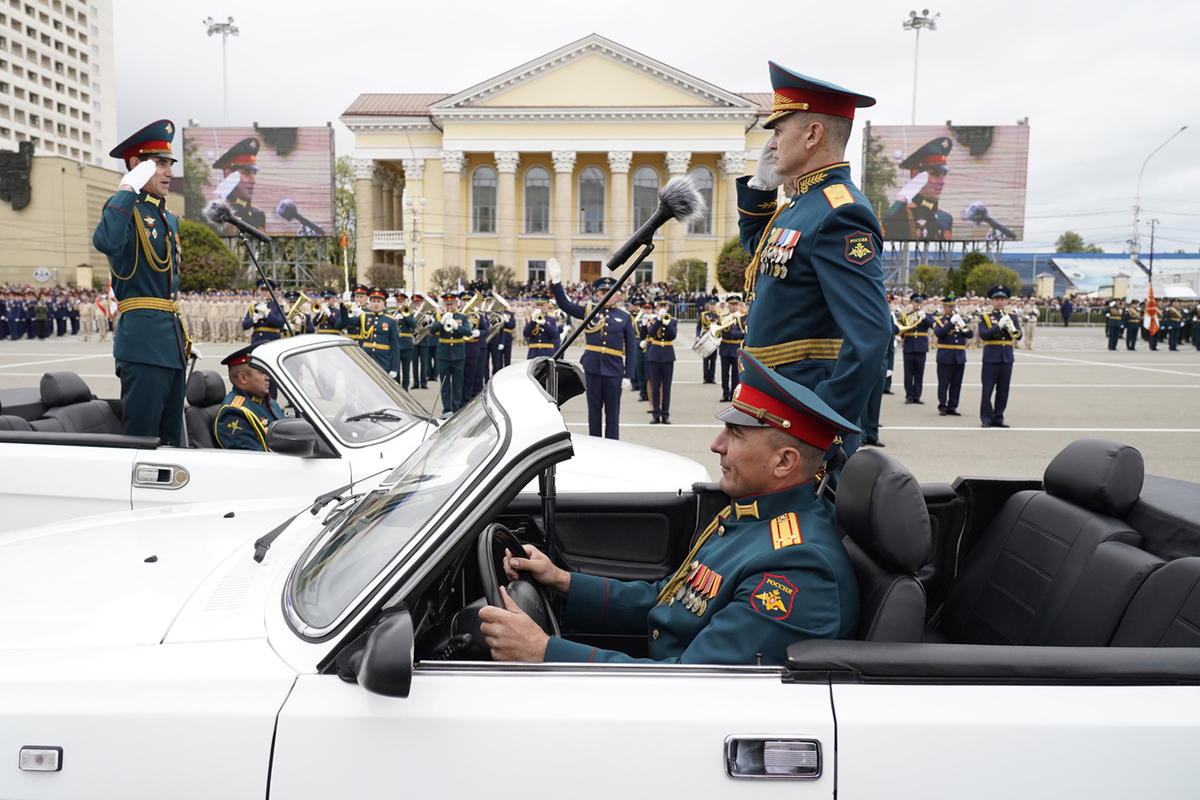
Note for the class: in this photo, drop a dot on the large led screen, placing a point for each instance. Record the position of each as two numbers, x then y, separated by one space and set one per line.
280 180
940 183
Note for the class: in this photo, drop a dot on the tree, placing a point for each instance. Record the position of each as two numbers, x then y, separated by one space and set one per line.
928 280
345 211
388 276
1072 242
502 279
878 174
447 278
328 276
196 180
687 275
956 279
204 262
987 275
731 266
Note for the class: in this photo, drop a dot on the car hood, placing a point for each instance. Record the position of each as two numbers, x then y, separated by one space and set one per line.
116 579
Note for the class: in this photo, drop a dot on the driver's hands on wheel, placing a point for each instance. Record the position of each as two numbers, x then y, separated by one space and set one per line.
510 633
540 567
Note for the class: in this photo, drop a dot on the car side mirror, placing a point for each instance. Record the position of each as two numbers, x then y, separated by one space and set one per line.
387 660
293 437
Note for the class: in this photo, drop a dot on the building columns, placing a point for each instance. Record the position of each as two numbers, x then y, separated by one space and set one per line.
506 208
731 166
677 164
564 207
619 221
454 163
364 253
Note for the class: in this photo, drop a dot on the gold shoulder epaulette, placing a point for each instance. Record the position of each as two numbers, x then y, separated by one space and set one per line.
838 195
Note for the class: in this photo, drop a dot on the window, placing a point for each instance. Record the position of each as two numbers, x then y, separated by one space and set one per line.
483 199
591 200
702 179
644 273
537 200
535 271
645 195
482 265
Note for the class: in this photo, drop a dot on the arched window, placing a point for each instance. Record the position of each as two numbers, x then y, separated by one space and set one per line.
537 200
591 200
483 200
702 179
645 195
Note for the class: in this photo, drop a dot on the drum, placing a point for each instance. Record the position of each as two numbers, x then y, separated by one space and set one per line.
706 344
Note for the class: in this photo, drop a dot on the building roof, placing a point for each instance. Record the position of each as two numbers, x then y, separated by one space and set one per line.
762 99
393 105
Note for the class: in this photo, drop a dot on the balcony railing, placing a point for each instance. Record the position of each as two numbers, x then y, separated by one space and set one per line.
388 240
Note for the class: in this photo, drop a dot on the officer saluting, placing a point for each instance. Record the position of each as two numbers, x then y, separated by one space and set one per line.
952 333
818 312
240 165
608 355
915 214
141 239
248 410
998 331
660 361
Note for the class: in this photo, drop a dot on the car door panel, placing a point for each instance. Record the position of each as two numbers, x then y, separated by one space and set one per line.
905 741
511 732
97 481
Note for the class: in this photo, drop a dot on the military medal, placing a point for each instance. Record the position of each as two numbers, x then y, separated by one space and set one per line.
778 251
701 586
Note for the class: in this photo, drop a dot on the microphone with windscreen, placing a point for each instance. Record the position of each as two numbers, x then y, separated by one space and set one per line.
287 210
218 212
977 212
680 200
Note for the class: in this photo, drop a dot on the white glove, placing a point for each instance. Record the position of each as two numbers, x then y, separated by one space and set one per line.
474 334
956 319
661 312
645 343
553 271
356 311
226 187
626 384
913 188
427 319
392 373
196 354
448 321
765 177
137 177
502 347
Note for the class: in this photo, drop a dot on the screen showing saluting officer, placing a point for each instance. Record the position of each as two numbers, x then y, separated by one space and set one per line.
915 213
141 239
240 165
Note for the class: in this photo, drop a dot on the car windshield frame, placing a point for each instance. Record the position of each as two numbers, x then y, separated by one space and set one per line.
414 484
374 391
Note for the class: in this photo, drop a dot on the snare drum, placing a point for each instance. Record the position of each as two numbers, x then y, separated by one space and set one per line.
706 344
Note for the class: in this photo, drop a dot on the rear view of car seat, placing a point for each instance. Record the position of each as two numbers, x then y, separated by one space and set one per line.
1166 610
71 407
205 391
1059 566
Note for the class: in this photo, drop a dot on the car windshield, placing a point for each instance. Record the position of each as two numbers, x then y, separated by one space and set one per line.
360 402
348 557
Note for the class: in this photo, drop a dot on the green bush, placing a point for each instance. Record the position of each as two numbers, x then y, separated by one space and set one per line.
731 266
204 262
987 275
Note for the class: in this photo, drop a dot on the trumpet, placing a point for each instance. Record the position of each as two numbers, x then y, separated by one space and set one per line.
404 310
302 306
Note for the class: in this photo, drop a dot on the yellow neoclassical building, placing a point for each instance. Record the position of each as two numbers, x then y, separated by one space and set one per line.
561 157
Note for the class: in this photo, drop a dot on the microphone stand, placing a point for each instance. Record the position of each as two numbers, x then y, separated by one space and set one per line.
616 287
267 283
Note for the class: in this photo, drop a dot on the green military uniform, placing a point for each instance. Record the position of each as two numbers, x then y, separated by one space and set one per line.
924 221
768 571
451 355
406 327
1116 317
242 421
151 347
378 334
242 158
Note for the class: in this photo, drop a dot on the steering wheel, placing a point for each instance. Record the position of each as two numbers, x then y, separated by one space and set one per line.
526 592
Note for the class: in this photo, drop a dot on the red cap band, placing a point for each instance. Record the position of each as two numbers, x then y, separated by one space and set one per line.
804 427
145 148
790 99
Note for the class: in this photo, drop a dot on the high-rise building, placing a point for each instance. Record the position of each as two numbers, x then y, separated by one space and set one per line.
57 78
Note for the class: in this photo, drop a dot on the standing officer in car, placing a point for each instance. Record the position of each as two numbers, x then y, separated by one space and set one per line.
660 361
608 354
998 330
818 311
768 571
141 239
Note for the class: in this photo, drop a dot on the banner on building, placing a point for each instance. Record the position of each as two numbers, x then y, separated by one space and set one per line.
940 183
280 180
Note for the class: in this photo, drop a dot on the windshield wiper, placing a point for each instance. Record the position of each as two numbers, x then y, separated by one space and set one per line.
375 416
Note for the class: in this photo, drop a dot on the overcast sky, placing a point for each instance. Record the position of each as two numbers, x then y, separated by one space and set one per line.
1102 83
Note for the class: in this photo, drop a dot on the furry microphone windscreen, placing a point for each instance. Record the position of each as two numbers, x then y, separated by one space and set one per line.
218 212
682 197
286 209
976 212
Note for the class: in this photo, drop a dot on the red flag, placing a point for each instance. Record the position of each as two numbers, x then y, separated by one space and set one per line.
1150 320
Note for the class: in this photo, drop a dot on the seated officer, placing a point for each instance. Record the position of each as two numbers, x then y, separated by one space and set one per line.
247 411
775 572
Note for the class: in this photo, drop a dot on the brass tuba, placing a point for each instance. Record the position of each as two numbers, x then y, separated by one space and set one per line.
426 309
302 306
497 308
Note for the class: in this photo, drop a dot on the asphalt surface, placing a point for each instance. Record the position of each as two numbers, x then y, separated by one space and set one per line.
1069 386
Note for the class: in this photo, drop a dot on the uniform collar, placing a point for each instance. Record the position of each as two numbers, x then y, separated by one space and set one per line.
252 397
772 504
152 199
816 177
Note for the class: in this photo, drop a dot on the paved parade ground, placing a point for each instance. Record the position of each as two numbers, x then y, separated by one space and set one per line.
1070 386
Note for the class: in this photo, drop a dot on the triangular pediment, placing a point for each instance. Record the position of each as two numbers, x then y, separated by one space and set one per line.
594 72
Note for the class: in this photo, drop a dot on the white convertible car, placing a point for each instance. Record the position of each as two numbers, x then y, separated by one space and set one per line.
1034 639
349 423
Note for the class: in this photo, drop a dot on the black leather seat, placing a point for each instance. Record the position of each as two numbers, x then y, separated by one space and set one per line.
205 391
1165 612
889 538
9 422
72 408
1058 566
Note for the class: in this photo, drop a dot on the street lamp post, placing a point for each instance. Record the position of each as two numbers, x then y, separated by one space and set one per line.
1135 248
915 23
226 29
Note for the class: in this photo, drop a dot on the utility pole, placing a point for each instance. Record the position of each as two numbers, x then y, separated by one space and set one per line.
915 23
226 29
415 239
1137 197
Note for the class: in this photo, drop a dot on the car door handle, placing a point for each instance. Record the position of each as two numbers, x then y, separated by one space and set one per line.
772 757
160 476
